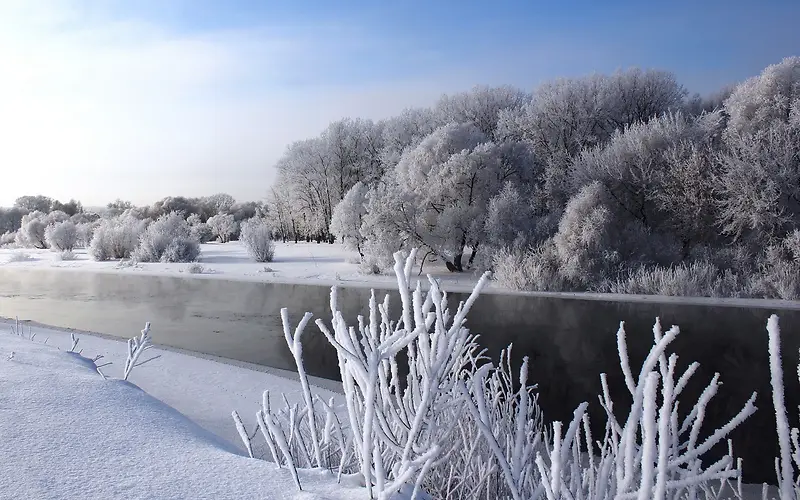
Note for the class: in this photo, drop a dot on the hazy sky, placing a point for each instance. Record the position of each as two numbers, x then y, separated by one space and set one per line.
140 99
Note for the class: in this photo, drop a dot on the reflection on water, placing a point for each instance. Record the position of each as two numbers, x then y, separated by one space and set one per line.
569 341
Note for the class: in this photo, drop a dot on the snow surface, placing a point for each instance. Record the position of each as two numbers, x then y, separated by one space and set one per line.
323 264
68 433
206 389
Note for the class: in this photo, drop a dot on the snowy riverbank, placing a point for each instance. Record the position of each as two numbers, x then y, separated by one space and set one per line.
68 433
321 264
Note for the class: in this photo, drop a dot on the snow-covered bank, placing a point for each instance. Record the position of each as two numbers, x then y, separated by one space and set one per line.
204 388
323 264
68 433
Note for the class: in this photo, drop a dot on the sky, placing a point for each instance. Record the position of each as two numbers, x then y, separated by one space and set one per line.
138 100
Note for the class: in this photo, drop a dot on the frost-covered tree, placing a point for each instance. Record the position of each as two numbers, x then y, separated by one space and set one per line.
480 106
761 102
257 238
406 130
32 229
37 203
220 203
11 219
62 236
450 178
118 206
224 226
760 182
348 216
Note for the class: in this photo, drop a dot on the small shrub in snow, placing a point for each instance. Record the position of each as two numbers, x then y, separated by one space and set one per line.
224 226
137 346
167 239
67 255
256 236
116 238
62 236
195 268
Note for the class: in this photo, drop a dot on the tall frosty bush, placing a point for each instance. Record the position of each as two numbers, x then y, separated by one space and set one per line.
116 238
256 236
62 236
168 239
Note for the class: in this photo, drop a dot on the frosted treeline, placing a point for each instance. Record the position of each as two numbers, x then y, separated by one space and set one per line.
456 426
170 230
619 183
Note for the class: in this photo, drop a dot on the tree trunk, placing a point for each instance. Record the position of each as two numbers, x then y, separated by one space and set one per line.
472 255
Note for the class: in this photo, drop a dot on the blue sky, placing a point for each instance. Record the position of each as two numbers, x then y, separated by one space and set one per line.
148 98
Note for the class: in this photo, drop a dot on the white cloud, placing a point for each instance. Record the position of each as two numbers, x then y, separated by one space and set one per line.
96 108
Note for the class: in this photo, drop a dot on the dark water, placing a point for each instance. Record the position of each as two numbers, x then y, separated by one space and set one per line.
569 341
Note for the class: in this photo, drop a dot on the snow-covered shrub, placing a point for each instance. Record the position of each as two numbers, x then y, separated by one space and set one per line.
529 269
7 239
62 236
256 236
181 250
31 232
168 239
116 238
195 268
347 218
67 255
695 279
224 226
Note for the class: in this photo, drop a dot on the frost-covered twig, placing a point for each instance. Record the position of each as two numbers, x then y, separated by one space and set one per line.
136 346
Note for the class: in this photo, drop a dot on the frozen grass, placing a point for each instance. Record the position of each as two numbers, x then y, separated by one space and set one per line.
696 279
457 427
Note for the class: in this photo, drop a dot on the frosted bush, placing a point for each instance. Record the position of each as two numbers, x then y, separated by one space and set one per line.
181 250
116 238
168 239
195 268
67 255
62 236
8 238
529 269
224 226
256 236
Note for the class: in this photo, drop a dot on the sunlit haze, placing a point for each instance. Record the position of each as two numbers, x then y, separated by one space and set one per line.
140 100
